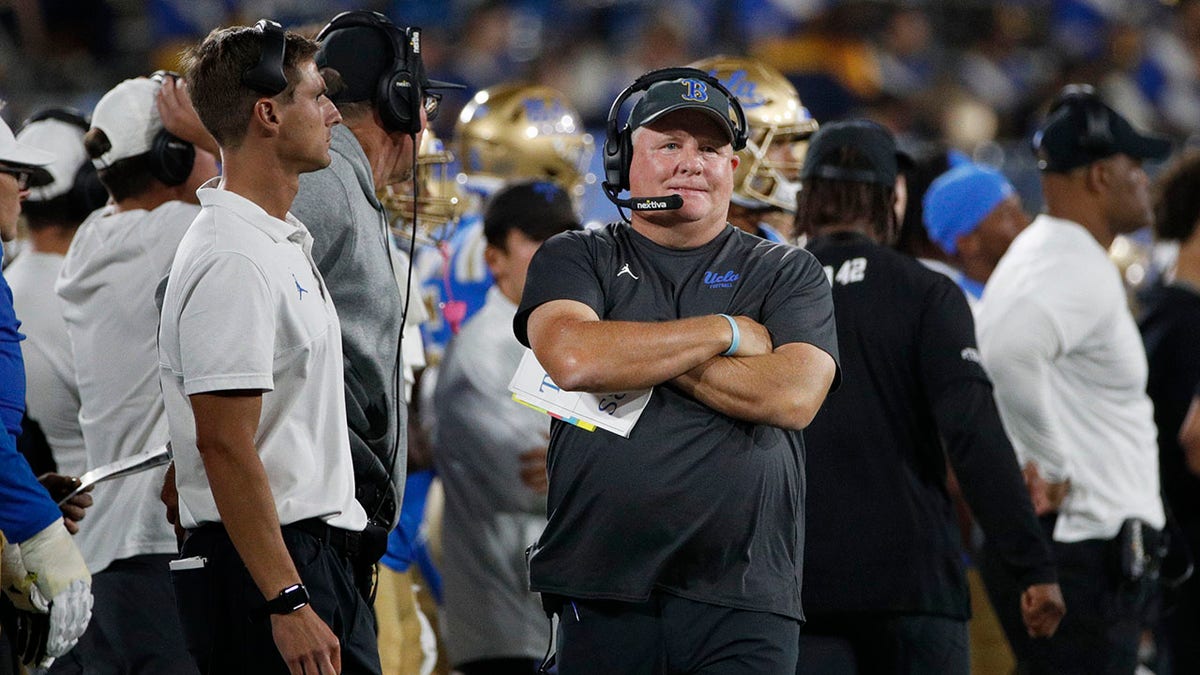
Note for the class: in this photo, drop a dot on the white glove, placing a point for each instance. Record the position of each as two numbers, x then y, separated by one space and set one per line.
18 582
58 572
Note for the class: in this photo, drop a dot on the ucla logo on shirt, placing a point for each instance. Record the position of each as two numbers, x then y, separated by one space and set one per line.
721 279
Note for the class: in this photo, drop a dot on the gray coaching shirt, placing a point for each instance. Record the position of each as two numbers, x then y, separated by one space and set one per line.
693 503
352 250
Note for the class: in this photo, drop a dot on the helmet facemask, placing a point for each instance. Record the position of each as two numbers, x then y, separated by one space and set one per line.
440 201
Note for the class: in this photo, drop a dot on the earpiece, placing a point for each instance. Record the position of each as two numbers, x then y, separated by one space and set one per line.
267 75
398 94
171 157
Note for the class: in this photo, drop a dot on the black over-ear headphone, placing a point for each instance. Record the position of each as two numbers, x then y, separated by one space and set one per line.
618 143
398 93
1097 135
86 193
171 158
267 75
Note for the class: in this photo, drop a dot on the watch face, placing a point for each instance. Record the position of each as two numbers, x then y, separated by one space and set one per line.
289 600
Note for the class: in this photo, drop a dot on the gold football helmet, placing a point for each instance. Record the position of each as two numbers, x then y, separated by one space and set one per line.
440 200
519 131
1135 261
779 126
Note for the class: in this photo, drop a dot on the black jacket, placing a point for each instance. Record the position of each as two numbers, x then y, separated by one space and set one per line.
882 533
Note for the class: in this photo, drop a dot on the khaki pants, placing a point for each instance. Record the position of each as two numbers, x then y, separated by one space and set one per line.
990 653
406 640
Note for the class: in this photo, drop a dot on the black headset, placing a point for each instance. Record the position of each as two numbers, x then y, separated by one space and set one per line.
267 75
170 157
398 97
86 193
399 93
1097 135
68 115
618 143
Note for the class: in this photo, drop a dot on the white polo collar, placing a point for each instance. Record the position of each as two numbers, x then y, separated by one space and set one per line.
278 230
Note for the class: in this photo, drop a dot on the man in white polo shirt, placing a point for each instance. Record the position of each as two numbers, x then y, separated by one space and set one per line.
106 285
1069 369
251 369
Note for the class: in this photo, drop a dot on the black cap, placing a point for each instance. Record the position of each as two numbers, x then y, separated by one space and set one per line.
538 209
874 144
362 55
1081 129
666 97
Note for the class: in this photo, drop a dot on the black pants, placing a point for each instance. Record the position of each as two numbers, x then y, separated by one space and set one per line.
1104 620
135 626
8 660
669 634
1179 629
504 666
878 644
218 604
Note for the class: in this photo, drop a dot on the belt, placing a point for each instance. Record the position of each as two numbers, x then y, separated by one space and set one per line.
346 542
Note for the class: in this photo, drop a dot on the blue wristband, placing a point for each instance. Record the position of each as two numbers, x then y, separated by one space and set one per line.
737 336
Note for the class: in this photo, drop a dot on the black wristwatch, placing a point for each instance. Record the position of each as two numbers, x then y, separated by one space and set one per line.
289 600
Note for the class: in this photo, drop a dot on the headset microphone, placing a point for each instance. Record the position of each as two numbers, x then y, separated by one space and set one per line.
664 203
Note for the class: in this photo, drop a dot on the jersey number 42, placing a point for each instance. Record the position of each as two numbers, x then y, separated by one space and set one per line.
851 271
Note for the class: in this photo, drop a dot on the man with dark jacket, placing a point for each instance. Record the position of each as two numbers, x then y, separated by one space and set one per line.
884 588
373 147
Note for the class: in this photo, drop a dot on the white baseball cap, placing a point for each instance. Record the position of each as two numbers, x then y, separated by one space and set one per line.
63 140
24 156
129 118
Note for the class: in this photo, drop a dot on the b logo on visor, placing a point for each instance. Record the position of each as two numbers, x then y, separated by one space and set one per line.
695 90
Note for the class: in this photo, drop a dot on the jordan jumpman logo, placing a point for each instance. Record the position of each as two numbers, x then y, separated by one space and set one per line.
300 288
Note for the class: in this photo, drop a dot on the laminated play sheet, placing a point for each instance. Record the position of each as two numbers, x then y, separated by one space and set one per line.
616 412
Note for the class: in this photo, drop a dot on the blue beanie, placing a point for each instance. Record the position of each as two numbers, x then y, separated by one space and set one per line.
959 200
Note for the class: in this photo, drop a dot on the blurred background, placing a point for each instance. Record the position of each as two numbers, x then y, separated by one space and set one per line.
971 74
